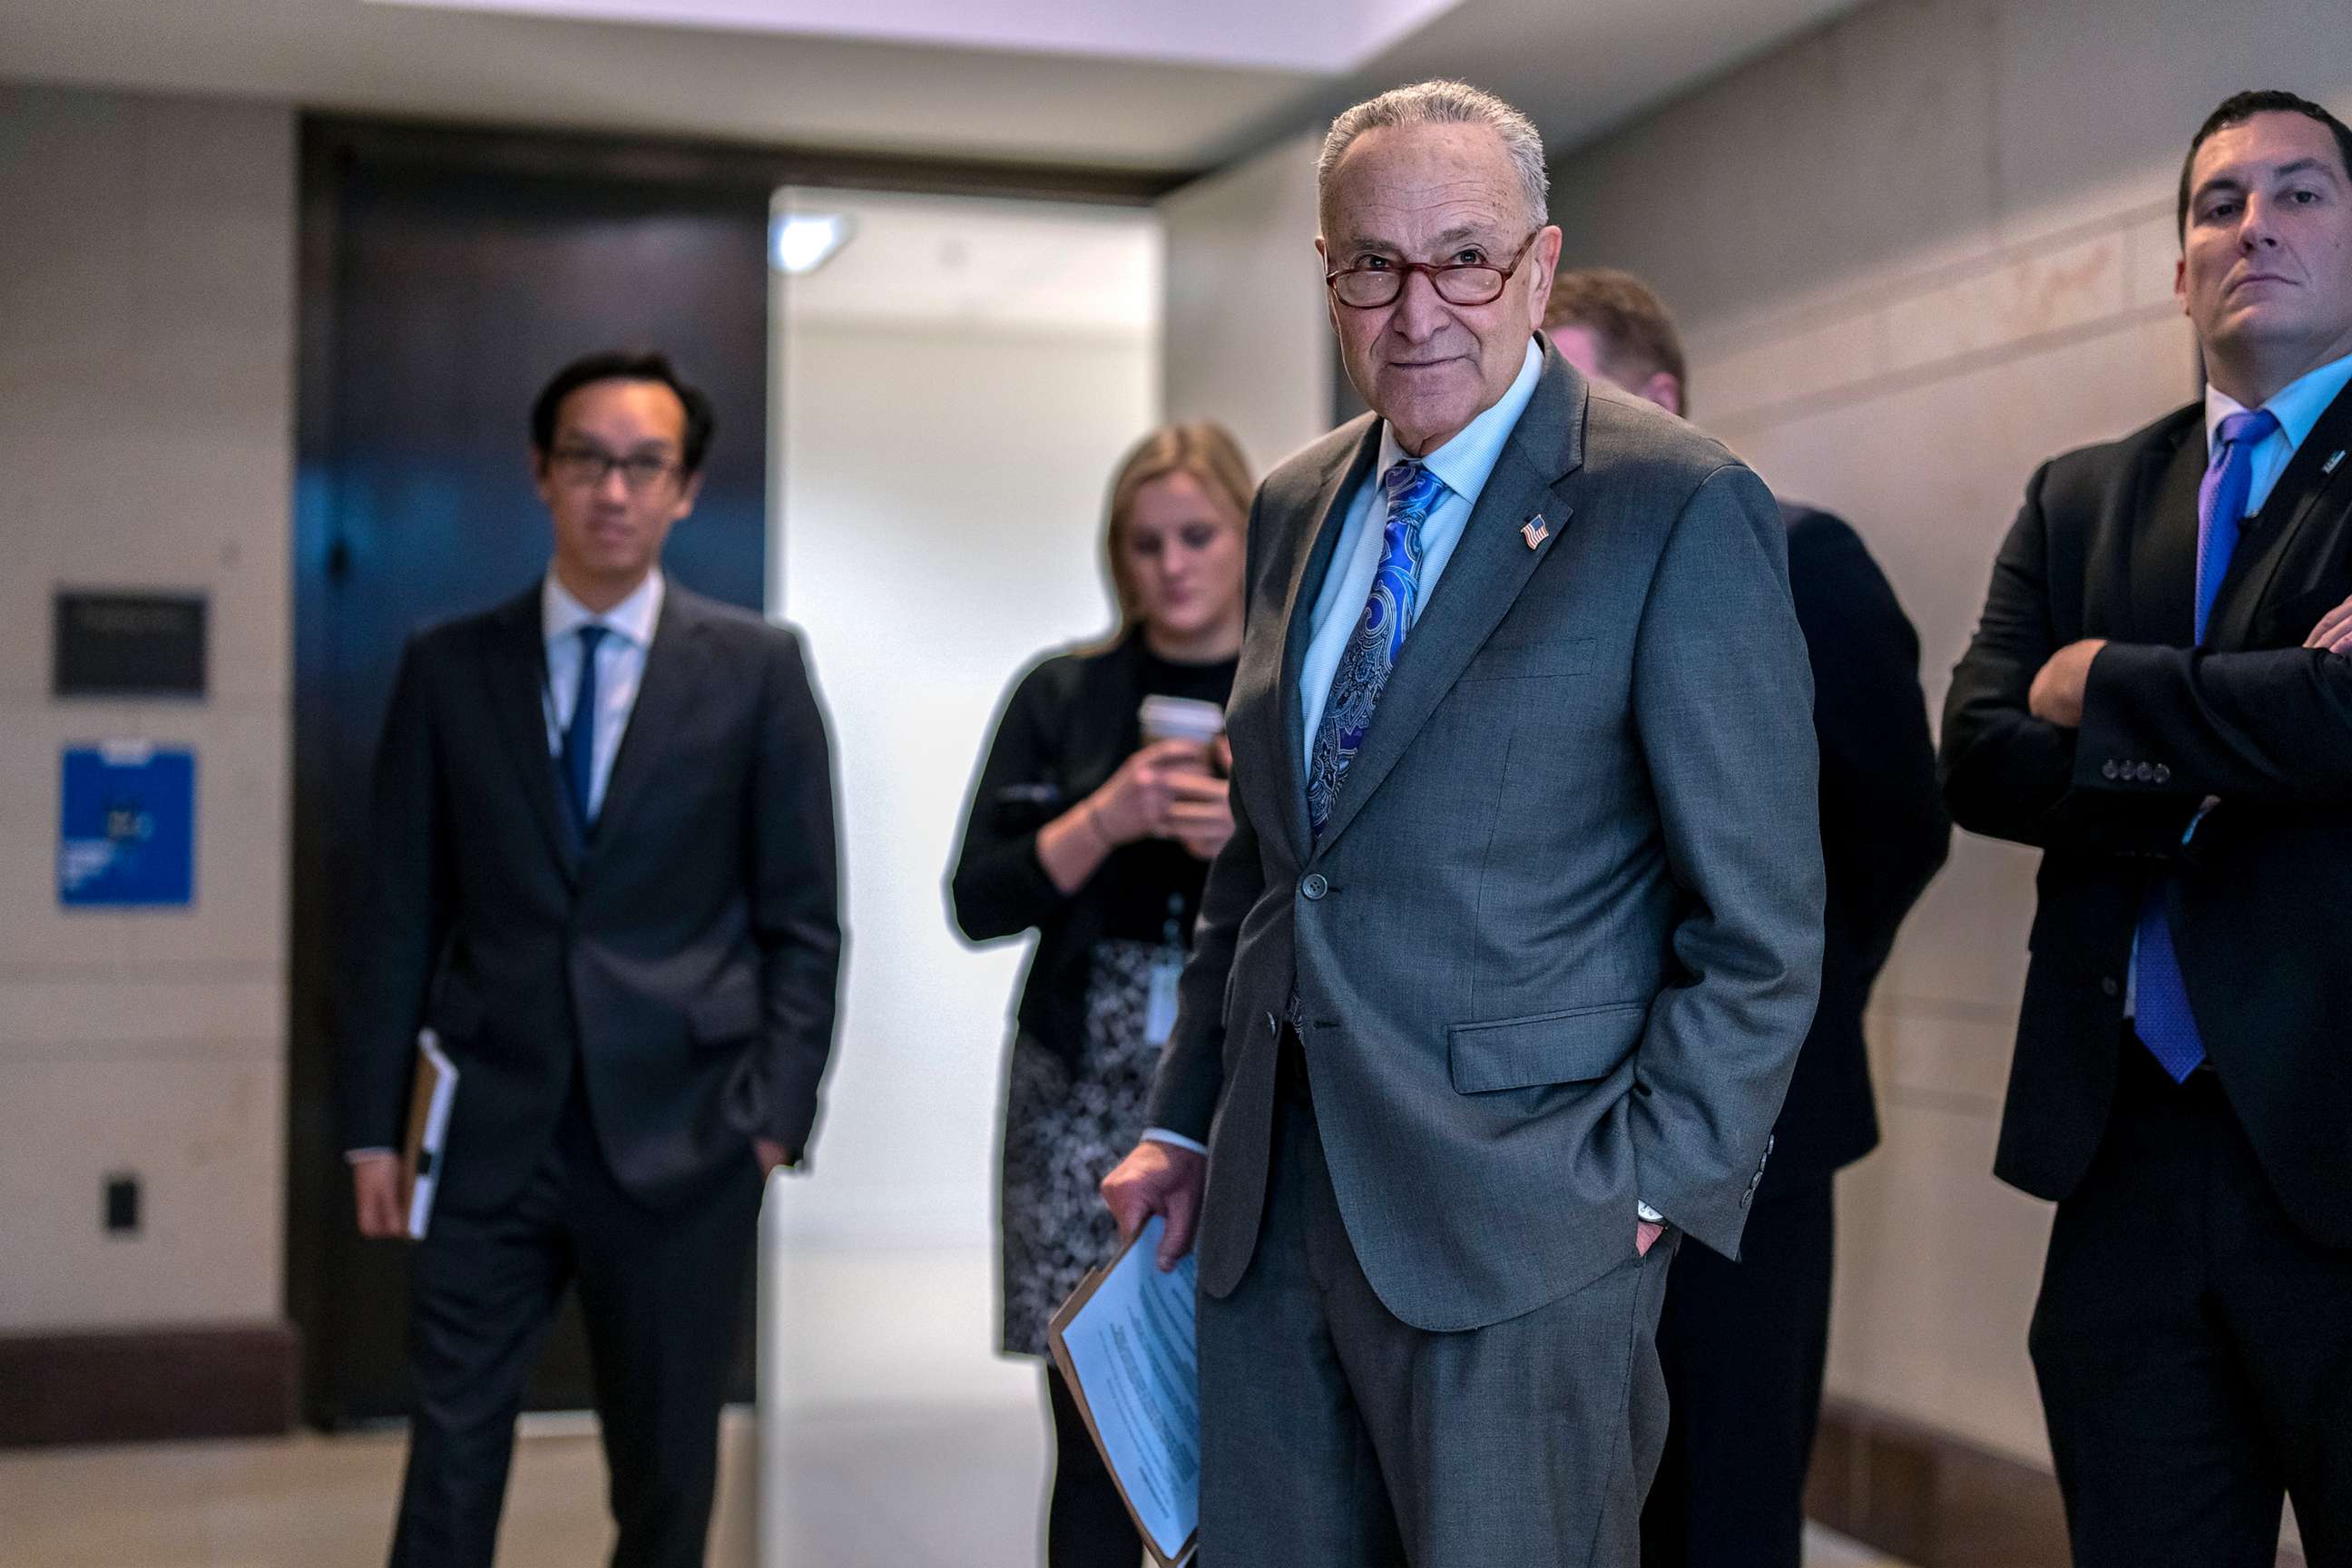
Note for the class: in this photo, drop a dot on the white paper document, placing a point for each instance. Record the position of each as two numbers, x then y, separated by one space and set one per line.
434 1092
1125 1343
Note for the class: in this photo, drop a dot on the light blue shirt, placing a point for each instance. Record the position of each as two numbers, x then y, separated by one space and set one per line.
1462 465
2297 405
620 670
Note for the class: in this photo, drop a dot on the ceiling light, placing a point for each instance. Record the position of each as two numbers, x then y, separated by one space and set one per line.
800 242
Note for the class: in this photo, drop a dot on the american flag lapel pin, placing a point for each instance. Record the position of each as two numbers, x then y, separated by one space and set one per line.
1537 531
2329 466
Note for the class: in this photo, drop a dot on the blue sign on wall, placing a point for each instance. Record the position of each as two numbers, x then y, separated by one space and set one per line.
127 832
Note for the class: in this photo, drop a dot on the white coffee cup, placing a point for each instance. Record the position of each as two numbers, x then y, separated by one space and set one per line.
1182 718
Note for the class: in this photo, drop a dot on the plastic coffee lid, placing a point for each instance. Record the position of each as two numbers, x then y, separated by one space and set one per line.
1182 719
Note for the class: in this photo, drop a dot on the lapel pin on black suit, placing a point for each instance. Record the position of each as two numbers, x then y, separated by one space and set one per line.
2329 466
1537 531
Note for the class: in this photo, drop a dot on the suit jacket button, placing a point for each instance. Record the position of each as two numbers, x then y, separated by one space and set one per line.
2108 770
2144 773
1314 887
2163 774
2109 985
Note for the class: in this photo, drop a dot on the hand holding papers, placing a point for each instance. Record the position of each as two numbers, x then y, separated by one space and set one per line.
1124 1342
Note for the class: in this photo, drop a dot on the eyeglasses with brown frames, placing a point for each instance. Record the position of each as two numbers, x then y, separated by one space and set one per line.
1369 285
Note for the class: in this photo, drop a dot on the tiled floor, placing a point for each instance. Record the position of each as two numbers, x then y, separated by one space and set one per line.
872 1492
893 1440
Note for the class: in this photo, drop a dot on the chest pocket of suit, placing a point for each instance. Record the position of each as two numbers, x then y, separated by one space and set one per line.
1530 660
1566 1046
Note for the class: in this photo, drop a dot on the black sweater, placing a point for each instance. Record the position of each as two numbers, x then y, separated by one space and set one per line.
1066 727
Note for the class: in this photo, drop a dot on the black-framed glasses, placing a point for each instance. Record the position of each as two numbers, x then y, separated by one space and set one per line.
1371 284
587 466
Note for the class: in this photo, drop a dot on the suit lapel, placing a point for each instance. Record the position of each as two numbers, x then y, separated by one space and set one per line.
2164 544
1489 566
515 661
662 691
2317 469
1307 574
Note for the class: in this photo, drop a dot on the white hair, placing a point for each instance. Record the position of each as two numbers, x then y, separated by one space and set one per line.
1442 103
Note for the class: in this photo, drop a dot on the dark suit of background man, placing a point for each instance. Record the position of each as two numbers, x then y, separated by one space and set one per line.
1520 928
1743 1344
602 868
2157 697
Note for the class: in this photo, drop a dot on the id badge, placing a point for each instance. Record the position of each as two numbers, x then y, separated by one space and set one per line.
1160 1006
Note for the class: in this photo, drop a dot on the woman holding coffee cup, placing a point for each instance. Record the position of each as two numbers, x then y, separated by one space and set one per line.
1099 804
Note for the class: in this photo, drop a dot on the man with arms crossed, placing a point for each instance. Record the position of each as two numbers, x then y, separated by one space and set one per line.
602 870
1519 928
1743 1344
2157 697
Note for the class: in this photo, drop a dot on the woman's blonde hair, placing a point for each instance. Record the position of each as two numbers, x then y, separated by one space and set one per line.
1206 451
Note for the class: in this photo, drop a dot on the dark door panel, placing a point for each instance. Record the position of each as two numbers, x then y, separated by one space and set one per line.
440 289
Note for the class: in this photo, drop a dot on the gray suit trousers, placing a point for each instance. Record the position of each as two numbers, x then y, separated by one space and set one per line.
1335 1435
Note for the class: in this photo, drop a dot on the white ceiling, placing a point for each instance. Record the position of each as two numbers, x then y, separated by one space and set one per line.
1576 64
1320 36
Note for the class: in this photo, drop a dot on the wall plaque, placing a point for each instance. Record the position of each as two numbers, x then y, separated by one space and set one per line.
129 645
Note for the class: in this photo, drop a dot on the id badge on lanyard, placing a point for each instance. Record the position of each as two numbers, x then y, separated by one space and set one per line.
1167 970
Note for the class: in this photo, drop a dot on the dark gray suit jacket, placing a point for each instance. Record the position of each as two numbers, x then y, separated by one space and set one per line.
684 959
1562 939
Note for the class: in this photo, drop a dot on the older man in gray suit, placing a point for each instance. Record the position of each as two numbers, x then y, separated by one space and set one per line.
1508 963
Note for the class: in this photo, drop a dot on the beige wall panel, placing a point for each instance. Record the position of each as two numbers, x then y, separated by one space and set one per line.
147 331
1938 1267
1248 342
2100 97
1862 146
204 1137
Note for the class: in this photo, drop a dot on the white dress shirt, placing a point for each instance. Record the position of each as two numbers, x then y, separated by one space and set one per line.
620 670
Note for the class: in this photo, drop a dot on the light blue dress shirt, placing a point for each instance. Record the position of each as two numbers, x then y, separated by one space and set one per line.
1462 465
2297 406
620 670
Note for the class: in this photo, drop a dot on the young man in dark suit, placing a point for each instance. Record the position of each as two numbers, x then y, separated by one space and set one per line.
1743 1344
602 870
2157 697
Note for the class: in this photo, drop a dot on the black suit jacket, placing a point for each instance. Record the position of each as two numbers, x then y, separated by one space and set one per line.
2106 547
685 960
1884 830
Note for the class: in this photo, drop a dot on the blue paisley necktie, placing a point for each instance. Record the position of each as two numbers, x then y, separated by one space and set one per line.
1372 652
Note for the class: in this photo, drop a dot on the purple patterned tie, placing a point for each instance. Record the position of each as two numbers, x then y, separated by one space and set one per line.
2161 1014
1372 652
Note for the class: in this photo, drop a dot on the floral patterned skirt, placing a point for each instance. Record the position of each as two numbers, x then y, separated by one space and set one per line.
1064 1127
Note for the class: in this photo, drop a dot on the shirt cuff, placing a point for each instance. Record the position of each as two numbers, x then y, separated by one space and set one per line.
1174 1139
1648 1215
356 1155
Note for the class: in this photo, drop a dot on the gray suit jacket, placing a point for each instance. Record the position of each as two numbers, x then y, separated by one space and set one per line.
1562 937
